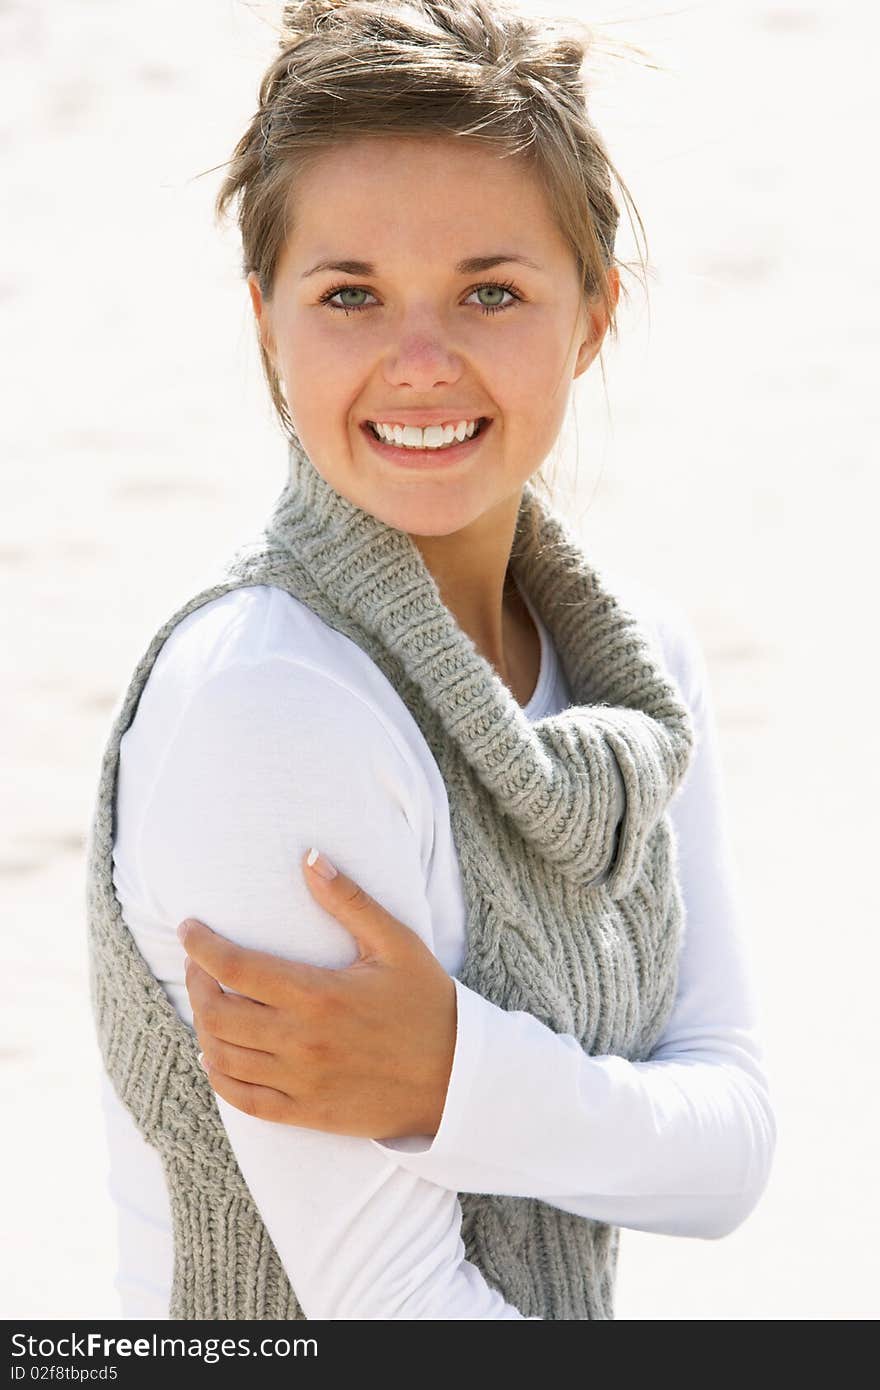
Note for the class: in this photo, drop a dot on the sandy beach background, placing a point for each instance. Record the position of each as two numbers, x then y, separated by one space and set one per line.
734 470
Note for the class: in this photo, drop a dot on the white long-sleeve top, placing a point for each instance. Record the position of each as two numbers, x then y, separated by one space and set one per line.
262 731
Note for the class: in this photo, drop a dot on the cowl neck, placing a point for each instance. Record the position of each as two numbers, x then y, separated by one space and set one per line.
552 776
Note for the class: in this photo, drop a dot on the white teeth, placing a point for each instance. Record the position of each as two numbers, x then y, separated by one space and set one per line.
431 437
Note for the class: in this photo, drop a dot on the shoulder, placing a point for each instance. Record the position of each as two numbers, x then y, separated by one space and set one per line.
256 677
670 629
256 624
263 637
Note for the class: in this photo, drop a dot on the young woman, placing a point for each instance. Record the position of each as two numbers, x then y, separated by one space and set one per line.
519 1015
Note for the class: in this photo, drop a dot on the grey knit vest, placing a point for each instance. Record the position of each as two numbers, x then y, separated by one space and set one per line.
550 930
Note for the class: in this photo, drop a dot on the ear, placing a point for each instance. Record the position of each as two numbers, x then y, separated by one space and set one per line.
597 324
262 315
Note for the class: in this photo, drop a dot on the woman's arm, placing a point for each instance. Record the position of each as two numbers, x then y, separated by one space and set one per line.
681 1144
265 760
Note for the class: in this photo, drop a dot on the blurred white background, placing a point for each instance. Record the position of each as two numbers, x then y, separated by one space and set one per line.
734 471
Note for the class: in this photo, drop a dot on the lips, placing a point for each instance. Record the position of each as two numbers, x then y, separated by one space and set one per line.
421 459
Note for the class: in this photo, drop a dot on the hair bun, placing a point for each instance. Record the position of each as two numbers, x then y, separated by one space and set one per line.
300 17
292 16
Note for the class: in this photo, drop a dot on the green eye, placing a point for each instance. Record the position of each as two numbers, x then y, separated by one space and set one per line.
492 289
495 307
345 289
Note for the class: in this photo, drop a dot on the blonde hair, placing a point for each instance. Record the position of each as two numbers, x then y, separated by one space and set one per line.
470 69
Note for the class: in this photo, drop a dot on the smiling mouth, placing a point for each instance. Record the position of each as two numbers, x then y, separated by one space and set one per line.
482 422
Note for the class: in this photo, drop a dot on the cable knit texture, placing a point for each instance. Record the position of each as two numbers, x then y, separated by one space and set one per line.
561 923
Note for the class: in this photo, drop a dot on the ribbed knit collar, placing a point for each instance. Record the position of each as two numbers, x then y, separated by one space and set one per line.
553 775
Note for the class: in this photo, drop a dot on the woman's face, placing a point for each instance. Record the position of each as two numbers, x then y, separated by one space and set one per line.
413 336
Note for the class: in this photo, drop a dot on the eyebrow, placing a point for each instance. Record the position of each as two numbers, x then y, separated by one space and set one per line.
471 265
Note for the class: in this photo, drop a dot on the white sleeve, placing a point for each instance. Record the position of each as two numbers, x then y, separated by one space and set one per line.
267 759
680 1144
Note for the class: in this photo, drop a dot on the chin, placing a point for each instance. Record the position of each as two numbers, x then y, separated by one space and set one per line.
423 516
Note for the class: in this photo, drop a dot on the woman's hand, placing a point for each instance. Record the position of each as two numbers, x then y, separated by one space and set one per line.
366 1050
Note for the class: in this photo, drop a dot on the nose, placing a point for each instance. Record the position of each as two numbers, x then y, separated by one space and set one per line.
422 358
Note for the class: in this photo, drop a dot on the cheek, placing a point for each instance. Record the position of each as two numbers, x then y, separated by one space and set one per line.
524 359
526 377
322 373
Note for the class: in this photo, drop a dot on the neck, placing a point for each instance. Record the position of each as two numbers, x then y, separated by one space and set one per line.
470 568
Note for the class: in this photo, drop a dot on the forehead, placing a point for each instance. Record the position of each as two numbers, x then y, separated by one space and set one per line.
426 197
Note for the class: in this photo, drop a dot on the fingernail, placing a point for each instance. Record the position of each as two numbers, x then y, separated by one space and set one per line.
202 1061
321 864
181 931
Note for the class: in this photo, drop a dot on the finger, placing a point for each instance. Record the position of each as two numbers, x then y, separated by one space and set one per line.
378 933
230 1017
239 1063
258 974
263 1102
